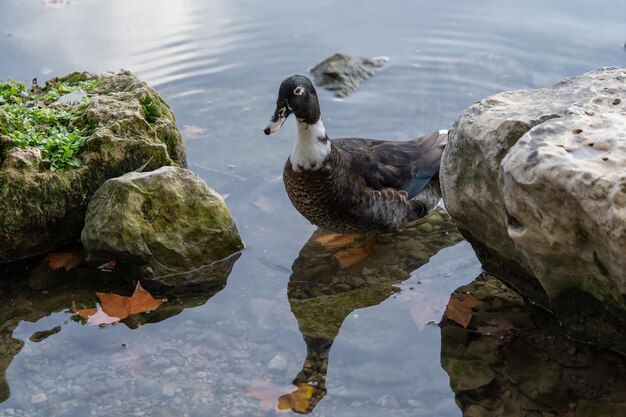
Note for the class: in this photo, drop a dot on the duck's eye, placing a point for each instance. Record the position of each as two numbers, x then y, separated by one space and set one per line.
299 90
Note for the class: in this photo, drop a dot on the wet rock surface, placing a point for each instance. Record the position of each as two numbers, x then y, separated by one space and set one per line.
514 359
127 125
342 74
322 295
536 181
167 220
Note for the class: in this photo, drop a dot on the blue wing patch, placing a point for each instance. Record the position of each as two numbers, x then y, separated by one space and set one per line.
419 182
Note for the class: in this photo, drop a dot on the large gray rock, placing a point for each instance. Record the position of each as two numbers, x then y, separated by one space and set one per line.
536 181
126 125
167 220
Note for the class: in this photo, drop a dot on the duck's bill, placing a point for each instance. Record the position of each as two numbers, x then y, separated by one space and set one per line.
273 126
277 120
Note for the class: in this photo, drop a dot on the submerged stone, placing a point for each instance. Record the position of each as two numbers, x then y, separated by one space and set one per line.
168 220
342 74
126 125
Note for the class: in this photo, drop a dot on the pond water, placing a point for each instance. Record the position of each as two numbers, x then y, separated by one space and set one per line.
364 337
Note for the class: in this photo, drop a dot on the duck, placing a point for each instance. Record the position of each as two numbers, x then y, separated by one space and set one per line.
354 185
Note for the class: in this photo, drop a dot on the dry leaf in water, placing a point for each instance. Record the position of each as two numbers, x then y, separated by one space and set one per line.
265 204
274 396
267 393
298 400
66 260
192 131
459 308
114 308
350 257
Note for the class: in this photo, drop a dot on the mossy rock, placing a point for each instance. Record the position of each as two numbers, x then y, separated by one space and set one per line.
167 220
126 123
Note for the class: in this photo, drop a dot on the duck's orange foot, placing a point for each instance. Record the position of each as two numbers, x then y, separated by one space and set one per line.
334 240
352 256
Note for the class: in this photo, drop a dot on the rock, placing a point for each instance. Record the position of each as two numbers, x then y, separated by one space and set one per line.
126 125
467 374
342 73
167 220
23 159
536 181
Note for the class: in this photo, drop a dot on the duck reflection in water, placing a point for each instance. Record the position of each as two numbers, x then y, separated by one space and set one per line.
322 294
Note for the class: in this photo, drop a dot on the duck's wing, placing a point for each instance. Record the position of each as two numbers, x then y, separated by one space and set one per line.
401 165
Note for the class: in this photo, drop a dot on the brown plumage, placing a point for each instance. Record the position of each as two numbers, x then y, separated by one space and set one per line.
355 185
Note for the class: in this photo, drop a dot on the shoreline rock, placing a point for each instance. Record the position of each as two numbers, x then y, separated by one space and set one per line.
127 125
536 181
167 220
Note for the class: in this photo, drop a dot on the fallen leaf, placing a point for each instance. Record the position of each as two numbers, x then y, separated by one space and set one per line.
425 305
267 393
350 257
298 400
265 204
132 358
114 308
192 131
118 305
459 308
279 397
334 240
66 260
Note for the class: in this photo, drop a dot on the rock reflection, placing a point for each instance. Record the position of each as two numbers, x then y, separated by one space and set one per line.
29 293
322 295
516 360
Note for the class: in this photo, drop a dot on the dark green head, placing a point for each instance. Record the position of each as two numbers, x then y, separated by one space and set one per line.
298 96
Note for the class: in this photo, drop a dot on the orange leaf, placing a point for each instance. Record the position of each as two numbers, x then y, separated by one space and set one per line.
459 308
122 307
67 260
350 257
297 400
115 307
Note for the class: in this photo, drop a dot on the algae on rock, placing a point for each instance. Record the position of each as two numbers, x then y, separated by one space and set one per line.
126 125
168 220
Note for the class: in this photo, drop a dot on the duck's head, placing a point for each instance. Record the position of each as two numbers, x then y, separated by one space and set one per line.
298 96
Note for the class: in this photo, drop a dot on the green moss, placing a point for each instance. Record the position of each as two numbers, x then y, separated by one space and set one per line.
150 110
